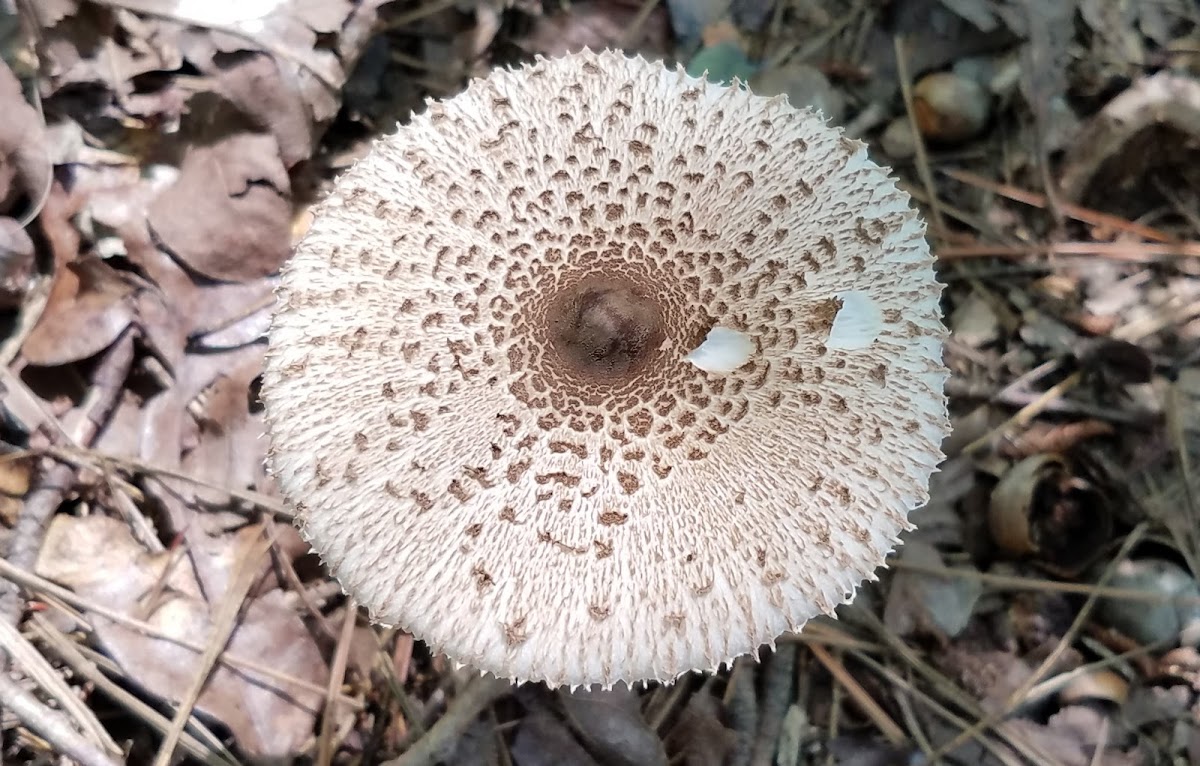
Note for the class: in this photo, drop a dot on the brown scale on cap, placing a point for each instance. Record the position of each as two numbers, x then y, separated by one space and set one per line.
479 384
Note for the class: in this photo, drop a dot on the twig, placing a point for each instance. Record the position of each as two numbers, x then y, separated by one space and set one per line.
777 696
478 695
222 628
1134 252
337 674
41 585
29 661
865 701
922 157
1022 691
1026 414
940 710
289 573
914 724
418 13
57 477
91 457
50 725
948 689
1010 582
44 499
212 751
1078 212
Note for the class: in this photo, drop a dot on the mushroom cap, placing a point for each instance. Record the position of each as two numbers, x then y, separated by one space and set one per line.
478 388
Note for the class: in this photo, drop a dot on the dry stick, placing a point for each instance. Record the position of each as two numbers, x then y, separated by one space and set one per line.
1056 683
950 690
42 586
1134 252
914 725
50 725
1078 212
34 666
865 701
1012 582
222 629
1064 643
39 505
777 697
421 12
1026 414
57 478
72 656
635 25
337 674
289 573
478 696
922 156
906 685
410 713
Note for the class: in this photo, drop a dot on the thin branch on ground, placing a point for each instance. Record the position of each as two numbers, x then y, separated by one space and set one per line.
866 703
223 624
1019 695
211 751
439 740
50 725
58 478
337 675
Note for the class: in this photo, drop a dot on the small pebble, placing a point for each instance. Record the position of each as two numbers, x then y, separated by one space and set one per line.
950 108
897 139
804 85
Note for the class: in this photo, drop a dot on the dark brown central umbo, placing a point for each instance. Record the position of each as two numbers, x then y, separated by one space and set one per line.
605 328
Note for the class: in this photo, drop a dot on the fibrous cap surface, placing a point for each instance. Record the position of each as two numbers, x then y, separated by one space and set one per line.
478 388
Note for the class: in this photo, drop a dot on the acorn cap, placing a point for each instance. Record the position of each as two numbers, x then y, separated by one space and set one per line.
598 371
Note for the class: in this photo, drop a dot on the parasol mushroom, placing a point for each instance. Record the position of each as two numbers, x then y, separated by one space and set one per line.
598 372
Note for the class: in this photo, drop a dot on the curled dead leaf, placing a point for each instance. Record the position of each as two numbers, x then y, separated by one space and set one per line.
16 263
24 160
1097 686
1144 136
228 216
270 719
1041 507
90 304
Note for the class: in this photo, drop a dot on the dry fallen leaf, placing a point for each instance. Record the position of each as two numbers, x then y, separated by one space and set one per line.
90 304
700 736
596 24
611 724
228 216
260 89
97 557
923 604
542 740
24 161
16 263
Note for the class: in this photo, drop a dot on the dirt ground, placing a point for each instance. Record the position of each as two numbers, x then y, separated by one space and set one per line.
157 162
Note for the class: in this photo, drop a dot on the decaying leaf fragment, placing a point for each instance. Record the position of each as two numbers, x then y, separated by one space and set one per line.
98 558
228 216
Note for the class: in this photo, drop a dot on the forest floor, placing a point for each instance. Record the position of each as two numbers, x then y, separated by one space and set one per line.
158 159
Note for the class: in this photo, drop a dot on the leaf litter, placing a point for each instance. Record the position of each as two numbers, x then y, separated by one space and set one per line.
156 161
